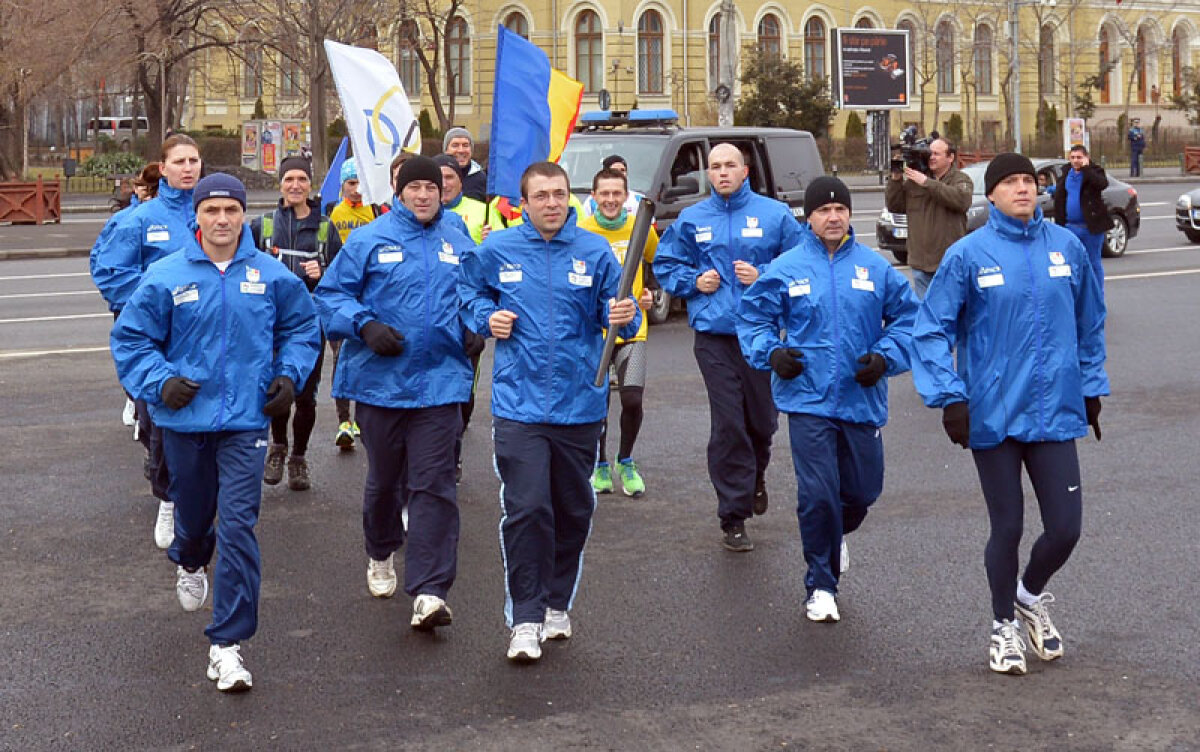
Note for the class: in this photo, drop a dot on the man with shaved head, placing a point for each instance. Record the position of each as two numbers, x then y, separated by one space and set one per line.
708 257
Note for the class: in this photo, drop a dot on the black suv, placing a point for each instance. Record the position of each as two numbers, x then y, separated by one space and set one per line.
668 164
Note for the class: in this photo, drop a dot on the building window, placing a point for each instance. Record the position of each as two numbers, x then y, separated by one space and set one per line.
252 84
814 48
990 131
864 23
1046 61
589 51
983 59
714 52
1178 60
459 37
944 40
517 23
1105 67
650 53
408 65
289 78
770 41
1139 65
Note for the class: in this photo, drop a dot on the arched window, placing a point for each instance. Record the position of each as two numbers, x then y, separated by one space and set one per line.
289 78
770 40
1140 64
944 40
907 25
1046 61
814 48
1179 59
517 23
459 37
714 52
407 63
983 59
864 23
252 66
1105 66
650 53
589 51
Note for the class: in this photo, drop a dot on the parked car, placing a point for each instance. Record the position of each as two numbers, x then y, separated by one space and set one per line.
891 230
668 163
118 128
1187 215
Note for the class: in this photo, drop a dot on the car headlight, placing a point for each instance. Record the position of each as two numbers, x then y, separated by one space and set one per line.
975 211
1185 201
885 216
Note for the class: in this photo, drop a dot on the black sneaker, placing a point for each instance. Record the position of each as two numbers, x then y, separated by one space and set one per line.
737 540
297 470
760 496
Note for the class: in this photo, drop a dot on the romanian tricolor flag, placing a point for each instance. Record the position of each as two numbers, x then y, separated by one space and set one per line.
534 108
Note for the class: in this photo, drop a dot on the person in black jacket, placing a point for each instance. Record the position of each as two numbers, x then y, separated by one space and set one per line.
1079 204
305 241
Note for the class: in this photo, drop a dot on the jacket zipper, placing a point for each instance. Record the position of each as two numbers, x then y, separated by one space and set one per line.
428 289
837 332
1037 323
221 359
550 358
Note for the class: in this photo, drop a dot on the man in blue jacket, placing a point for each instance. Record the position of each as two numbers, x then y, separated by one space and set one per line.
215 339
708 257
1019 301
545 290
391 295
847 317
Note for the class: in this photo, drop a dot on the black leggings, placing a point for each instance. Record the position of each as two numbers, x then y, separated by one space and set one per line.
631 423
1053 468
305 413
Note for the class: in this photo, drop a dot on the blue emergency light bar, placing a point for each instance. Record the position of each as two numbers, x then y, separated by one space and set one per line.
634 118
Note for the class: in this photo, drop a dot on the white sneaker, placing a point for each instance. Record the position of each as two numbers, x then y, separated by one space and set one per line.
822 606
226 669
164 525
128 416
1044 639
191 588
525 644
1006 653
381 577
844 558
557 625
430 611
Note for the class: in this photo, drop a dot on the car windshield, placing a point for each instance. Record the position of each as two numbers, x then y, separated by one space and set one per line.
975 172
585 153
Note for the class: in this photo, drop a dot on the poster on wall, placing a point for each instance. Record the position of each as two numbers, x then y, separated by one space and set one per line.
250 146
272 140
1074 132
873 69
291 139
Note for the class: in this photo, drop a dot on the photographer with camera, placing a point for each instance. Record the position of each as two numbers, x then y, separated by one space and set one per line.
935 200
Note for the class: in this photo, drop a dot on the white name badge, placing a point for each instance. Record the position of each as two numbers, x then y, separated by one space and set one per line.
863 284
703 237
254 288
580 280
448 258
991 280
795 291
512 276
158 236
1060 270
191 295
751 232
391 257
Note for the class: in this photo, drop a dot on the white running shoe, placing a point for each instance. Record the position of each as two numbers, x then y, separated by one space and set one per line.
844 558
1044 639
381 577
557 625
164 525
1006 654
430 611
225 667
525 644
822 606
191 588
128 415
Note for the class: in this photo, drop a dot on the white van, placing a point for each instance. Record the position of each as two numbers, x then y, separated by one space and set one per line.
119 129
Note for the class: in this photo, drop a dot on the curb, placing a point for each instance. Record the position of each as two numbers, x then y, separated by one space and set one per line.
43 253
104 208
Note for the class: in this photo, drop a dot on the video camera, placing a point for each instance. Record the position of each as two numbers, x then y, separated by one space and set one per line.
914 152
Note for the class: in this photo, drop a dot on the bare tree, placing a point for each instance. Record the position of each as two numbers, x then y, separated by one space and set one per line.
430 39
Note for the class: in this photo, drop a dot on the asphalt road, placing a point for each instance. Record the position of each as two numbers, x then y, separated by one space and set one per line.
678 645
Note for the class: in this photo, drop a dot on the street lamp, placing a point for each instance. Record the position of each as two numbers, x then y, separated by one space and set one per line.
1014 6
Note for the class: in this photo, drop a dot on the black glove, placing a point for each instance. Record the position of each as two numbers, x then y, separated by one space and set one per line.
786 362
1092 405
956 421
177 392
874 366
382 339
473 343
280 396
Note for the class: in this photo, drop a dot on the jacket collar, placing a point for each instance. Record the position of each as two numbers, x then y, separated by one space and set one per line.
174 197
314 212
1014 229
406 221
810 242
245 250
565 234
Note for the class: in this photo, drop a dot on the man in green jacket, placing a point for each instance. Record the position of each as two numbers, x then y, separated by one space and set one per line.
936 206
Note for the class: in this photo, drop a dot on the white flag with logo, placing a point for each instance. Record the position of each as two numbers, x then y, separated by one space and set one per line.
377 112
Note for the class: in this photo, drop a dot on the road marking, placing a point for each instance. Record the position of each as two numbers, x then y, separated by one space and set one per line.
34 319
1146 275
47 294
1169 249
40 353
1155 203
16 277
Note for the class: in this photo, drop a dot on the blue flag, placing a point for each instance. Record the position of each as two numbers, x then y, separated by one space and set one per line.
331 189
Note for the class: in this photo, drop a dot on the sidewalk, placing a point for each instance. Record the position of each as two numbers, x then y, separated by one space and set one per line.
91 203
868 182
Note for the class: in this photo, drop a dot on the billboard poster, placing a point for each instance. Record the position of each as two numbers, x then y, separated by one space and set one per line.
291 139
250 146
272 138
873 69
1074 132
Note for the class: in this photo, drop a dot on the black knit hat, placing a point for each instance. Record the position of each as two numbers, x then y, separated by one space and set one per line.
418 168
445 160
825 190
1008 163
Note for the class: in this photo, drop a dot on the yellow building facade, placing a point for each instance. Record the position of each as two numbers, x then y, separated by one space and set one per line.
656 54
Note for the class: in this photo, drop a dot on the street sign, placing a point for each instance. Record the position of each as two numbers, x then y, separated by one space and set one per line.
872 69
